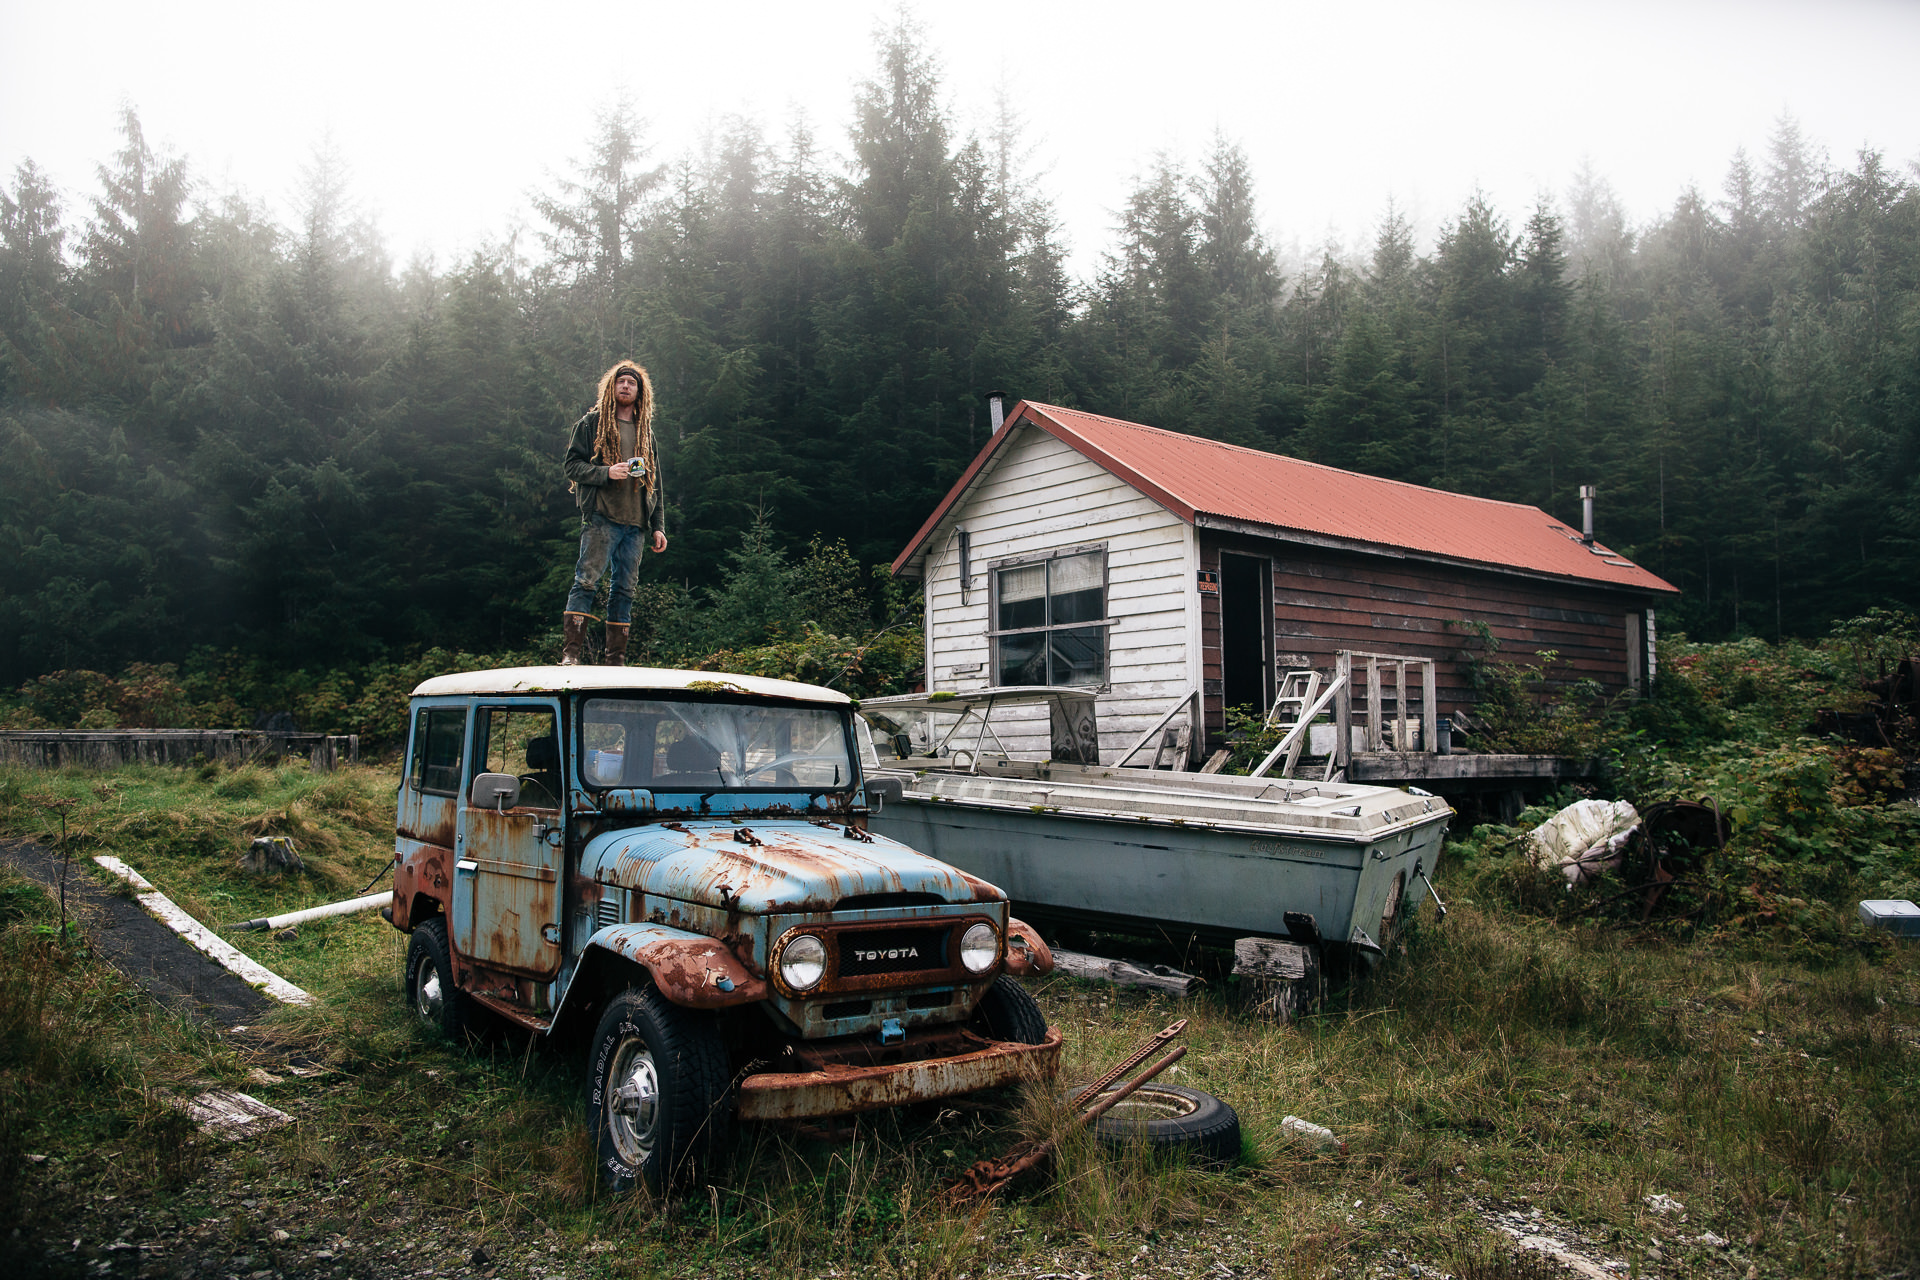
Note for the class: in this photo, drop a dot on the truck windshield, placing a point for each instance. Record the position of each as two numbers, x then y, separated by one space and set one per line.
667 745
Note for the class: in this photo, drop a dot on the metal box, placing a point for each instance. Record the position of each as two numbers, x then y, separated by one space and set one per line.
1896 917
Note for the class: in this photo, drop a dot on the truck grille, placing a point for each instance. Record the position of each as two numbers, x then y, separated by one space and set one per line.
867 952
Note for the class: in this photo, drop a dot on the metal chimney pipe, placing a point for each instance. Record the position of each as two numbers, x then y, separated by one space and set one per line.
997 409
1586 514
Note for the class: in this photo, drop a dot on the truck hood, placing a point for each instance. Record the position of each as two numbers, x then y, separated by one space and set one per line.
770 867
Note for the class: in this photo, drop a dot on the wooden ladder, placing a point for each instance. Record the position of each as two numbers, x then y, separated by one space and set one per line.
1298 689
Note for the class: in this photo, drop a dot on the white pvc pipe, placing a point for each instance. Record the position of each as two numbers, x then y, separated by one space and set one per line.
346 908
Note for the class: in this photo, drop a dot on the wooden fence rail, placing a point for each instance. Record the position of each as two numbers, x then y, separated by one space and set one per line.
110 748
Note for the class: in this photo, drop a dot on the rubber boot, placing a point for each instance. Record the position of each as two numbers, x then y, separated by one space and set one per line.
616 654
574 638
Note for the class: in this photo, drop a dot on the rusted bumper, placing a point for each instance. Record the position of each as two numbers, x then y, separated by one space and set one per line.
801 1095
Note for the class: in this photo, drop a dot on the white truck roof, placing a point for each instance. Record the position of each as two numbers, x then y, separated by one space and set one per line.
619 680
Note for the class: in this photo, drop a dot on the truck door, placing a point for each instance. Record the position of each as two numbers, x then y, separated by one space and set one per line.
506 889
429 802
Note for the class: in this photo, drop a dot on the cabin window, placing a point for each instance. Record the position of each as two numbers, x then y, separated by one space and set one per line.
1050 620
520 741
438 736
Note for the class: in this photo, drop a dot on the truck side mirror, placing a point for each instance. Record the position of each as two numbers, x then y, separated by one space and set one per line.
494 791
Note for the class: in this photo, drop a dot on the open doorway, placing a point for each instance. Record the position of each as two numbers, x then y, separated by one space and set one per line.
1246 631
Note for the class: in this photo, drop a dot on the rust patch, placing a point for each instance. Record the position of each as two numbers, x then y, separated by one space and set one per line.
834 1091
1027 952
700 973
982 891
439 833
420 874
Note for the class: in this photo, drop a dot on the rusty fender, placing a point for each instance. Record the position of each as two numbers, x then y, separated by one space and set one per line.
689 968
419 870
1027 953
802 1095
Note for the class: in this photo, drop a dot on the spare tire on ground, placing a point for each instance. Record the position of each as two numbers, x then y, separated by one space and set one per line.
1172 1118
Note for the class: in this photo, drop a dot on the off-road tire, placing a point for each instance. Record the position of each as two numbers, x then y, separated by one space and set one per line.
1173 1118
1009 1012
435 1001
645 1041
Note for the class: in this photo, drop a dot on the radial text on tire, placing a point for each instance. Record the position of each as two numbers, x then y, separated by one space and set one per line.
658 1104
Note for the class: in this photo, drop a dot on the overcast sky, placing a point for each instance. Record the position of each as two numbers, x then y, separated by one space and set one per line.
449 114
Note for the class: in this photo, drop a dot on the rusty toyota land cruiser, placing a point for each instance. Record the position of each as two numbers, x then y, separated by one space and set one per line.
677 862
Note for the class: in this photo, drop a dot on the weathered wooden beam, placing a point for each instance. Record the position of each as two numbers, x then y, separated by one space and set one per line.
1123 973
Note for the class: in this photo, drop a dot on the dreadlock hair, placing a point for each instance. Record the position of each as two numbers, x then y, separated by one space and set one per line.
606 444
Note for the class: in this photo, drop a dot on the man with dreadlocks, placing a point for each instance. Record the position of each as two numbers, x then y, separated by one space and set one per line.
615 478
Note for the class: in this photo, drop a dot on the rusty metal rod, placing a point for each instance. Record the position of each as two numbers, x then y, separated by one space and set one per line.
989 1176
1107 1103
1127 1064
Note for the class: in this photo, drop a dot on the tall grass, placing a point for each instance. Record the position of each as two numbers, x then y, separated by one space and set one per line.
1504 1059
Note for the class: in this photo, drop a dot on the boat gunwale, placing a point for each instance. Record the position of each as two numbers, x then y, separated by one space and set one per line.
1324 835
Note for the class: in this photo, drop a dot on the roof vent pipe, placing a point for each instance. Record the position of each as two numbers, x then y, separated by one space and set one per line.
1586 514
997 409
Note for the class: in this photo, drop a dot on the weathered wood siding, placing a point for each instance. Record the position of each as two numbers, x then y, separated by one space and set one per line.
1325 600
1041 495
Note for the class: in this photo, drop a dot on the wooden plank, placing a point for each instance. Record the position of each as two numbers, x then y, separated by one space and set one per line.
1123 973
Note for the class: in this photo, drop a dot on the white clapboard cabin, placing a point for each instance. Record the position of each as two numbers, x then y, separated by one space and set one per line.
1083 550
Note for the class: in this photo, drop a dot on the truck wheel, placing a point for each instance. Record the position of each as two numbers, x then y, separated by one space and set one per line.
1171 1117
1009 1012
430 990
657 1088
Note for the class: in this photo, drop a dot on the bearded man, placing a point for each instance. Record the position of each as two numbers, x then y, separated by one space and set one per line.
615 477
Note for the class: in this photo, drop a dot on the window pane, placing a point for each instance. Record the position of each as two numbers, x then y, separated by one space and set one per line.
520 741
1023 597
1075 584
1027 582
1079 606
446 734
1023 659
1078 655
1023 613
716 746
1076 573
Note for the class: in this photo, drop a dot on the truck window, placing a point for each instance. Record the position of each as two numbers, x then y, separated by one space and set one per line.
438 735
714 746
520 741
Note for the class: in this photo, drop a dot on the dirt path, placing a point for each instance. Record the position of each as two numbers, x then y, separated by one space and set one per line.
148 952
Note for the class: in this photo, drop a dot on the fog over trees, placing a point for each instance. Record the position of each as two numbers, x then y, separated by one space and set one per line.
225 432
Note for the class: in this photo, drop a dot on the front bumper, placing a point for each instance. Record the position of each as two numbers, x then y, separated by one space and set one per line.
839 1090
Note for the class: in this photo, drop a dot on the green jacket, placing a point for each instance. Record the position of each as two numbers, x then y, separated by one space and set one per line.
589 477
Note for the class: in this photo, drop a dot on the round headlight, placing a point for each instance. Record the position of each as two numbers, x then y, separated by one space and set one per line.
979 947
803 961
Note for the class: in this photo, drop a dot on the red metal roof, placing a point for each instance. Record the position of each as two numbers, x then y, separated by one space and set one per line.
1196 478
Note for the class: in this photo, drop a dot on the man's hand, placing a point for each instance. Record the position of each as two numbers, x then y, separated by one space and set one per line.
618 471
659 542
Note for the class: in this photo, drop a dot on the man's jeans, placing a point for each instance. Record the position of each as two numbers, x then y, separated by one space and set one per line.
604 545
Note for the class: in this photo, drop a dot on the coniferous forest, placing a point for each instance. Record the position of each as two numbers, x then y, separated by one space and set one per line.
230 440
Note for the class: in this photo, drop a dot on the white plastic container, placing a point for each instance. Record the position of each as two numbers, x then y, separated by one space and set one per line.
1310 1134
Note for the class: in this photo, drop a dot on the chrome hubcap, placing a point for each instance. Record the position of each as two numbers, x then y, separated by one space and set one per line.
633 1106
428 998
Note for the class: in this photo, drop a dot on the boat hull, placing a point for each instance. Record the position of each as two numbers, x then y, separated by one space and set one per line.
1217 879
